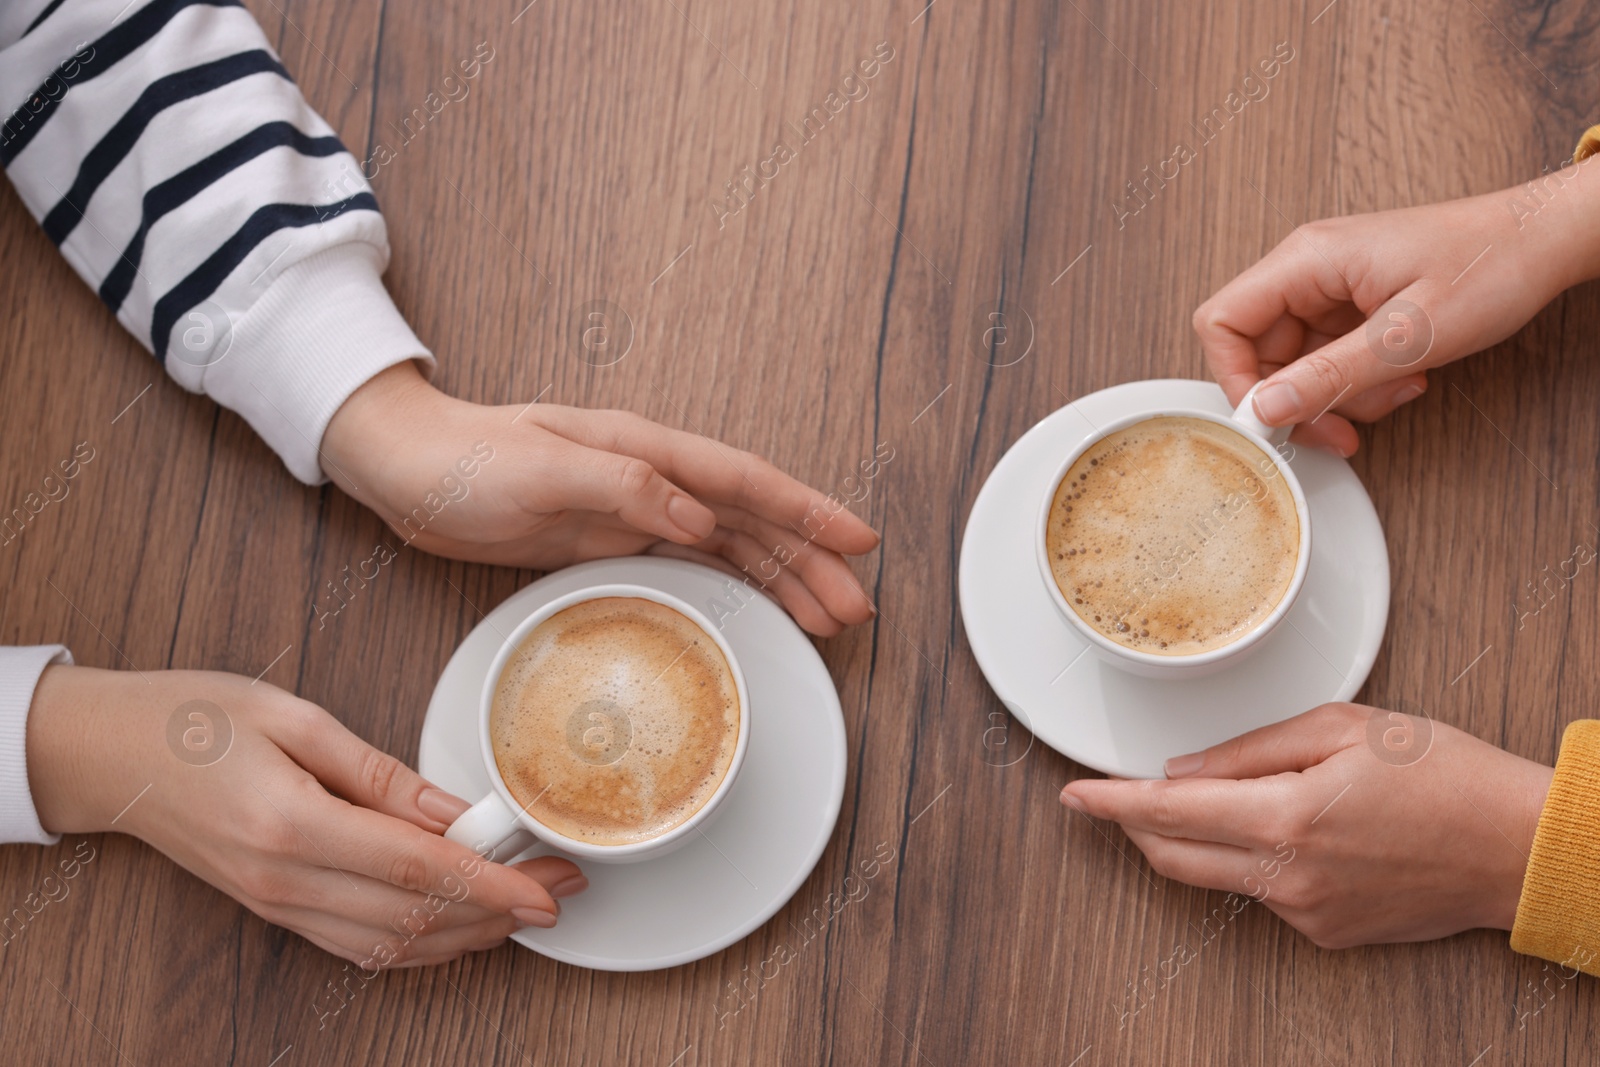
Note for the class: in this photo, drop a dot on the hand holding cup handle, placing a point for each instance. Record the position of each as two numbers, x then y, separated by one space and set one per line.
491 829
1247 416
1346 315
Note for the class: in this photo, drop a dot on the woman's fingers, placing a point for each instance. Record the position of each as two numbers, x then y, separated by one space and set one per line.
1321 380
369 919
1294 280
714 560
445 942
378 792
1381 355
1331 433
1291 321
1291 745
447 945
824 572
572 476
559 875
742 558
1283 342
338 938
367 926
1332 430
361 898
717 473
758 565
373 947
349 767
365 842
1380 400
1202 863
785 535
1224 812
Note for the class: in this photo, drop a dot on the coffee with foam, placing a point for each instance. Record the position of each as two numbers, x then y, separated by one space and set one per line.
1173 536
615 720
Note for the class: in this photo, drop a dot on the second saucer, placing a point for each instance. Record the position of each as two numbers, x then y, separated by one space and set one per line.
1117 722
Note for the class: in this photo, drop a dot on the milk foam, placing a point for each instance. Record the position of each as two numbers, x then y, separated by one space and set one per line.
1173 536
615 720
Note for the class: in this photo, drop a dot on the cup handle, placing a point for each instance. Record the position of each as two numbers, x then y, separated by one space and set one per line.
1245 415
491 829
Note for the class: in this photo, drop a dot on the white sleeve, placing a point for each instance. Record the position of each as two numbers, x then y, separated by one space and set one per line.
168 154
19 674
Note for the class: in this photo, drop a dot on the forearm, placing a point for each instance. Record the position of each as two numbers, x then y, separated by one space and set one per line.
63 729
1555 218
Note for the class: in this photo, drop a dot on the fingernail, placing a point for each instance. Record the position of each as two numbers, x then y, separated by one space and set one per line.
533 917
1071 800
863 591
1277 402
1407 394
442 806
1181 766
569 886
689 517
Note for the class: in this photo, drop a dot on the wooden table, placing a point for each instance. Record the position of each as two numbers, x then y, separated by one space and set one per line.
836 306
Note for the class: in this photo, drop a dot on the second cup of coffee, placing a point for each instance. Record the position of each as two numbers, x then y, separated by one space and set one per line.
1174 541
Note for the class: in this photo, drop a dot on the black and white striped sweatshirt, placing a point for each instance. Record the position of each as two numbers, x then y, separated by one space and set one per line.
171 158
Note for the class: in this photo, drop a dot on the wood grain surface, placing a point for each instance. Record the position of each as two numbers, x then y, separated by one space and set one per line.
985 170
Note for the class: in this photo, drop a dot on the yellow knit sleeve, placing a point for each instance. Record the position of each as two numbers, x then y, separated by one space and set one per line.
1558 917
1588 144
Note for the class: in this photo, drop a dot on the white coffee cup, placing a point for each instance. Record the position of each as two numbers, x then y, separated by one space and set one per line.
1197 664
499 827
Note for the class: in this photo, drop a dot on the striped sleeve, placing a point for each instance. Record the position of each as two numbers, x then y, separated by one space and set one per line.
166 151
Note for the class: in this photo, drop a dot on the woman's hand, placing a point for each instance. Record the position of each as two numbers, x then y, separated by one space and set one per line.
1346 314
1357 826
543 486
272 801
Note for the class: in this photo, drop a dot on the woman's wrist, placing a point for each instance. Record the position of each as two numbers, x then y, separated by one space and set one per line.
67 730
363 434
1558 218
1525 793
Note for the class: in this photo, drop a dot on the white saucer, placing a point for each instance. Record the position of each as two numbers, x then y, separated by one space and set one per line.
1125 725
758 849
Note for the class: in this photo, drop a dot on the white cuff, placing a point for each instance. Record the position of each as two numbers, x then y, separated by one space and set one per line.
19 675
324 327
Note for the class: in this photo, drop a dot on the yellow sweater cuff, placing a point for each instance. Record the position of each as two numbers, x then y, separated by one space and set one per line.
1558 916
1588 144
